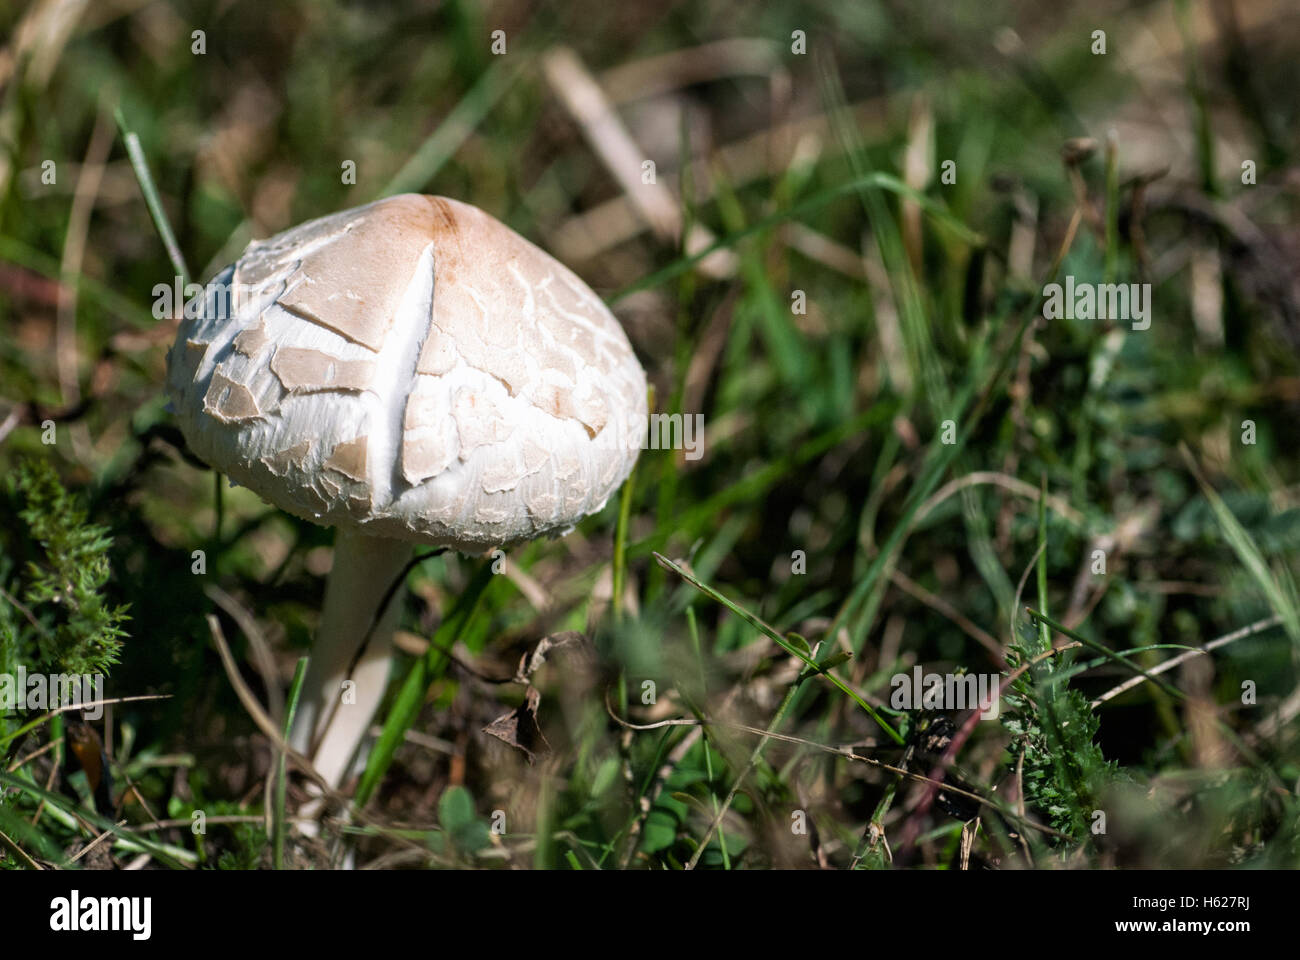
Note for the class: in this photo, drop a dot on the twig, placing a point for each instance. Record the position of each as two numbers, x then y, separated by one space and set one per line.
261 650
586 102
845 752
19 851
32 725
1257 627
263 722
258 715
1016 486
985 638
94 843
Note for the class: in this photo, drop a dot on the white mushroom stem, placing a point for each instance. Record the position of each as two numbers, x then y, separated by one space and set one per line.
329 726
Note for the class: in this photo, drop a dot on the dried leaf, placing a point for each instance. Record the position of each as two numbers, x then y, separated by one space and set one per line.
519 727
531 662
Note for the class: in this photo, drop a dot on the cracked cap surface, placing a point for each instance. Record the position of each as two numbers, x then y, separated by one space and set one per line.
413 368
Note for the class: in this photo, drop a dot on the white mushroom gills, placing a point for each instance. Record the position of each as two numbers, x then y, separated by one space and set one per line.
407 371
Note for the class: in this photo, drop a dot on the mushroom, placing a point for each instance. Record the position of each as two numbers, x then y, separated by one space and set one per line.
409 371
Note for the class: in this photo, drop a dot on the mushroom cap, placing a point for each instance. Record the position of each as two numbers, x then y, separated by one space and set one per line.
415 369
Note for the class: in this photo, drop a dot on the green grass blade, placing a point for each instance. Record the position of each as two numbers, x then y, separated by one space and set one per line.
278 822
779 640
1280 593
818 200
151 198
455 129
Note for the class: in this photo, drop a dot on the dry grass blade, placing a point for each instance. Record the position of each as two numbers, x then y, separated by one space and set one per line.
607 135
1258 626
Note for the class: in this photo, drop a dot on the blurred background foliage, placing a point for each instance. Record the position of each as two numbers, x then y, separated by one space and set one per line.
826 504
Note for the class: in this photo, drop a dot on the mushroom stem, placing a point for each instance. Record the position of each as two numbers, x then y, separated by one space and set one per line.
331 722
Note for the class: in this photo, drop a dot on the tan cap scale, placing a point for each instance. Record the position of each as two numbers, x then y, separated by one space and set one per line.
410 370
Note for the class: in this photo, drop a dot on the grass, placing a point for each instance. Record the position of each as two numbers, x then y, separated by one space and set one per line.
882 475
